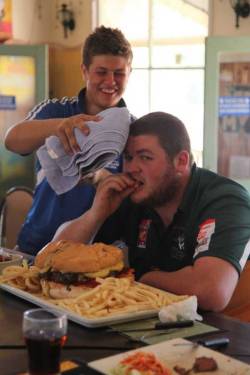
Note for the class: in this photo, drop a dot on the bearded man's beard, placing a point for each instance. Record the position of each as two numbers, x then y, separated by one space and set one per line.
165 192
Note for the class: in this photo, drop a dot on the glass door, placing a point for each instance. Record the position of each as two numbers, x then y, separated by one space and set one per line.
23 83
227 108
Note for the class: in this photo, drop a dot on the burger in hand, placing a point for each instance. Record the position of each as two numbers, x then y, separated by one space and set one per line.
69 268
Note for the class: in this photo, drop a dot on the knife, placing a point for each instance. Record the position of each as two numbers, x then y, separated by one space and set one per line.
161 326
214 343
208 343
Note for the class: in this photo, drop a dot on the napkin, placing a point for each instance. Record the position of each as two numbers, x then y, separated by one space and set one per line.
182 310
104 143
155 336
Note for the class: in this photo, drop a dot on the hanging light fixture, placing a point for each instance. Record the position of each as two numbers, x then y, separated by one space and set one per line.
67 19
241 9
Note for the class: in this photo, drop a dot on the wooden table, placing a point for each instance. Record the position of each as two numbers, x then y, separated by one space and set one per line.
90 344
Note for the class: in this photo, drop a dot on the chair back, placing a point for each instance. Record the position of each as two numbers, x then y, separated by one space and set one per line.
239 306
13 211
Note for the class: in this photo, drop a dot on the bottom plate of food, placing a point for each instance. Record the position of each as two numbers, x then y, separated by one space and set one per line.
88 282
177 356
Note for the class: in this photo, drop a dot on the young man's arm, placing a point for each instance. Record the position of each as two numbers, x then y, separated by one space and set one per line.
211 279
27 136
111 191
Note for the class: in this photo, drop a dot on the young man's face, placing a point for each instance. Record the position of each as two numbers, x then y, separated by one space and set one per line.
106 79
147 163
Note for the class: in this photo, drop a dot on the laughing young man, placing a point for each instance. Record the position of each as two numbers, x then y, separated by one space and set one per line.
187 229
106 66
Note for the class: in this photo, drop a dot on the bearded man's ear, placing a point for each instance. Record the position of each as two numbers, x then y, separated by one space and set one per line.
182 162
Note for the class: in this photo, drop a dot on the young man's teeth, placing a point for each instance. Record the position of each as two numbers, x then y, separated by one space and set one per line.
108 91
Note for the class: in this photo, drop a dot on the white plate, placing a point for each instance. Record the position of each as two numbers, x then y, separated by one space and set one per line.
171 353
87 322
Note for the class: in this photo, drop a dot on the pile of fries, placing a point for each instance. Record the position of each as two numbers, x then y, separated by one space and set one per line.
111 297
115 296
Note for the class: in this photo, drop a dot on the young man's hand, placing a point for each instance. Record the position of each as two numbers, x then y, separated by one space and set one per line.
65 130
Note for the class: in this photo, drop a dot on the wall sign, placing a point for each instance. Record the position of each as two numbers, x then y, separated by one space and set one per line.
234 106
7 102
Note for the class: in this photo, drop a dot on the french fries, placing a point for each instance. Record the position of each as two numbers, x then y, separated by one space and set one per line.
111 297
115 296
22 277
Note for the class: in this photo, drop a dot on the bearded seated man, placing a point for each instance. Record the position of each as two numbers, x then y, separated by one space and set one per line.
187 229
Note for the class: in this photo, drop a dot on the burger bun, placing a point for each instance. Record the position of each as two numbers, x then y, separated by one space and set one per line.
69 256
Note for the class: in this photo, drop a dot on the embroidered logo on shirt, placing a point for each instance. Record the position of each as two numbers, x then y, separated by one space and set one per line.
143 233
206 231
181 243
178 245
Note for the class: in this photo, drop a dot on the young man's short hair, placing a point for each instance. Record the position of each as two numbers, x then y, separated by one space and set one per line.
171 132
106 41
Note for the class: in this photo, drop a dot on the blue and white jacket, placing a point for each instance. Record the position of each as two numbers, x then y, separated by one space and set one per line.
50 210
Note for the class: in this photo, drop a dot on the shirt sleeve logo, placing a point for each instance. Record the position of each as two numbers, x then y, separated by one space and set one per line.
143 233
206 230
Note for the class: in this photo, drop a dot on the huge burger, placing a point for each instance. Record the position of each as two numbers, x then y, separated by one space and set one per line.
69 268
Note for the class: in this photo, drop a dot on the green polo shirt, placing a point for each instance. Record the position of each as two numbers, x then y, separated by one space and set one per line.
212 220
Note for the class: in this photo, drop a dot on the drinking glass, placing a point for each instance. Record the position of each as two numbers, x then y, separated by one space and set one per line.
44 333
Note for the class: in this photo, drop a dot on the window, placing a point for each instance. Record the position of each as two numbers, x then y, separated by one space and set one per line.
168 38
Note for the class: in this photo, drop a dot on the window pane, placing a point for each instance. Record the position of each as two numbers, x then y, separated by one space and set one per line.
137 93
176 18
140 57
192 55
180 92
126 15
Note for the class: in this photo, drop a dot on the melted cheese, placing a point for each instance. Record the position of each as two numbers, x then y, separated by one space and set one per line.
103 273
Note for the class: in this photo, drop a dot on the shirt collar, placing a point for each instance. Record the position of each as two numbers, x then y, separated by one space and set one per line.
191 188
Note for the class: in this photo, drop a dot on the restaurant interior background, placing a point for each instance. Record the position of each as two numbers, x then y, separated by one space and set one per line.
40 56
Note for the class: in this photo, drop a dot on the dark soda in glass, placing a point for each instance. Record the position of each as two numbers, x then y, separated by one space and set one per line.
44 352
